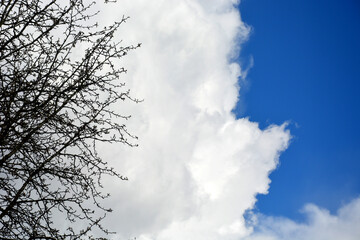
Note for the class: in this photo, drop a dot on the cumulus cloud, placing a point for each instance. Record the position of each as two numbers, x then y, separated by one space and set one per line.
320 225
197 168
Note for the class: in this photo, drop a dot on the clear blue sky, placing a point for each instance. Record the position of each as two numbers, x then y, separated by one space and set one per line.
307 71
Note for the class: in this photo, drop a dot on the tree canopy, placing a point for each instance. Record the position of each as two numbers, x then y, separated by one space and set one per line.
54 110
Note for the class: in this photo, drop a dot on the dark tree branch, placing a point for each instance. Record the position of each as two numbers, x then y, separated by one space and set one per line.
54 109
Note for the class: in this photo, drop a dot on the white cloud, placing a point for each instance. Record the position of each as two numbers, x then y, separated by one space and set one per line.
320 225
198 168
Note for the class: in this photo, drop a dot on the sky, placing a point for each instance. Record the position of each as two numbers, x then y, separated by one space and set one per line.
306 70
248 126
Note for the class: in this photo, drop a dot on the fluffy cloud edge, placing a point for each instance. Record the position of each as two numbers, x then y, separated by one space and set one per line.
197 168
319 224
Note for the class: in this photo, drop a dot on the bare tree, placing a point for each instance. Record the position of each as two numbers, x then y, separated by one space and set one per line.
54 110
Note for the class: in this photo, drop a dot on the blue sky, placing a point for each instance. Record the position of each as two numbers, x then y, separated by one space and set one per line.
307 71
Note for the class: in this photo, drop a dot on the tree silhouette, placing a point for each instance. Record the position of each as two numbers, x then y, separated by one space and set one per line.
54 110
